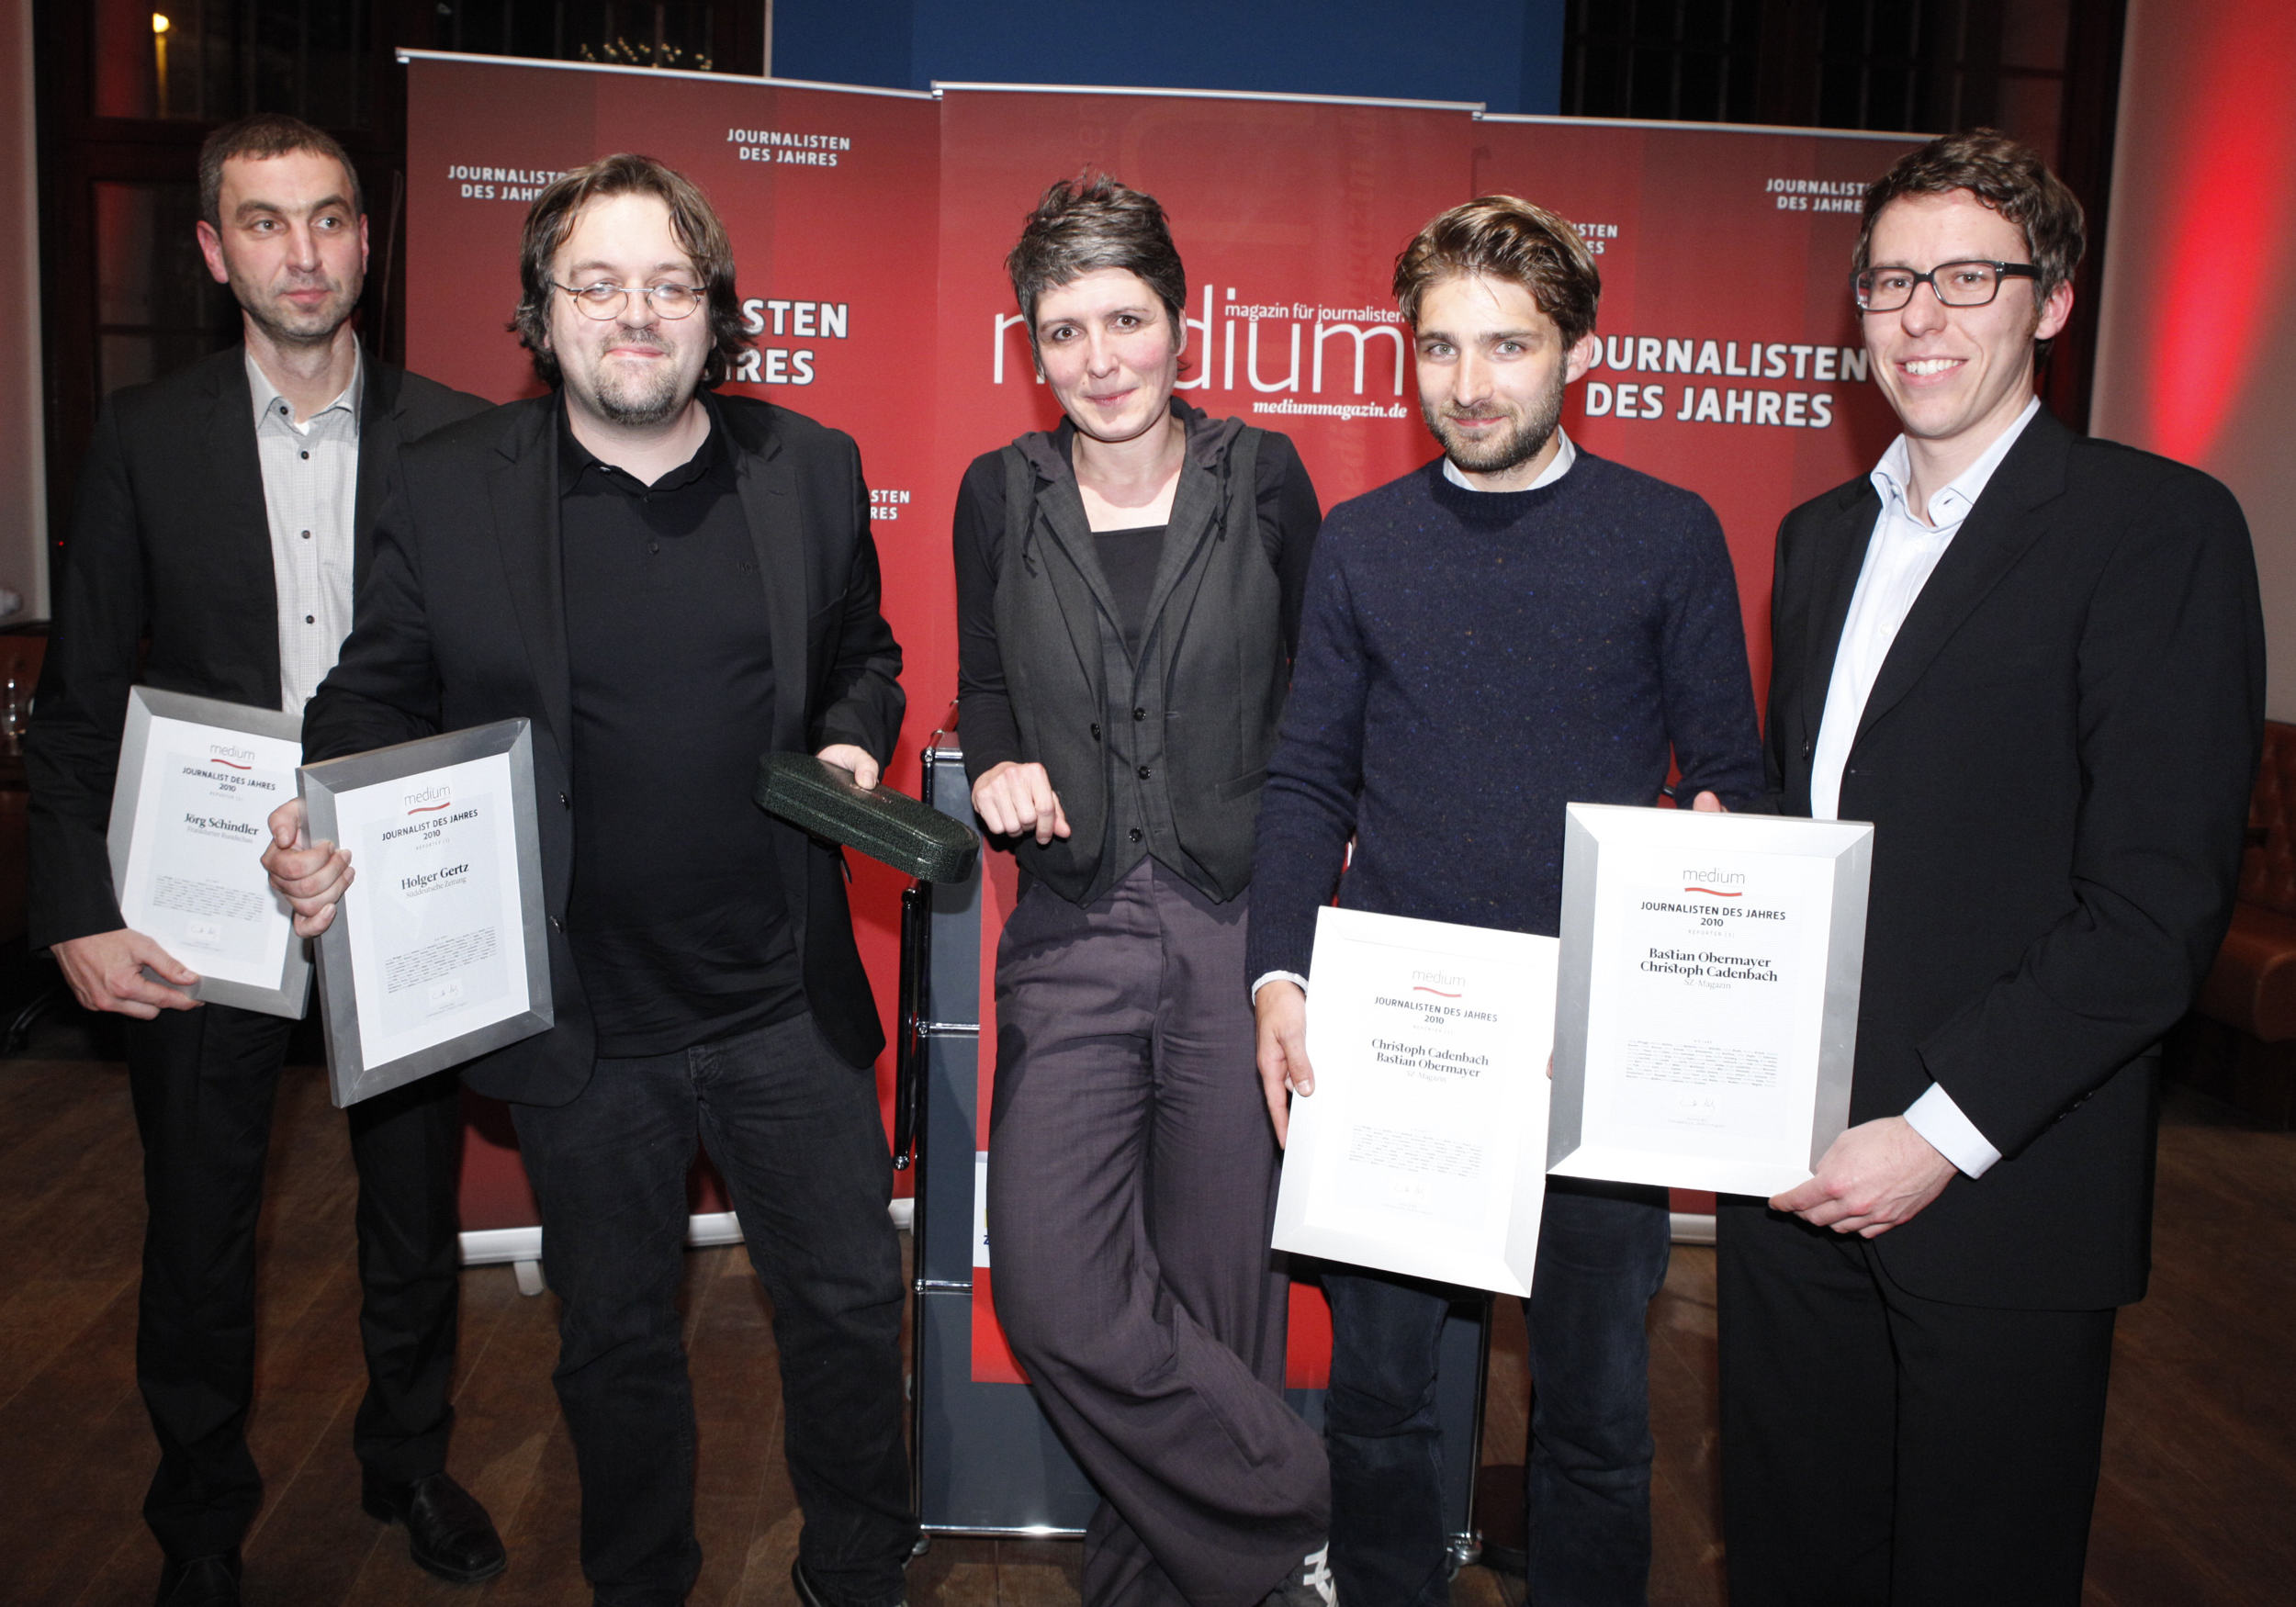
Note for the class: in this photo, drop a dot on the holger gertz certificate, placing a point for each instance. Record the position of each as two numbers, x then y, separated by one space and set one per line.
1423 1147
1707 1013
197 781
435 955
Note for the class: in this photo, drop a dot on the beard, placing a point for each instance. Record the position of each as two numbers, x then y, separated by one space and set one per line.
644 396
1511 449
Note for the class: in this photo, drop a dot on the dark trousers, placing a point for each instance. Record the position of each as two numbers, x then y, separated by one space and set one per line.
1602 1257
1881 1448
795 1133
203 1083
1131 1196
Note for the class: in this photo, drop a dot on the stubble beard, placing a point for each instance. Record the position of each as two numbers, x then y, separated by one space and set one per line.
288 326
1512 450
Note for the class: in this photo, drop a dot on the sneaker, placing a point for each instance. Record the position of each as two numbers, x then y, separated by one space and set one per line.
1310 1584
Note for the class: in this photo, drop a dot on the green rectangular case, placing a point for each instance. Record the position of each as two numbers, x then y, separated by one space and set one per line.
890 826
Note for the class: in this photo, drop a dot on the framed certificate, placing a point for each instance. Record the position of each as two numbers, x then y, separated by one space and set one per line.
438 952
1706 1015
198 781
1423 1148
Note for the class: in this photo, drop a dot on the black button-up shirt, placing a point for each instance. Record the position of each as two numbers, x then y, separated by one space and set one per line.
677 920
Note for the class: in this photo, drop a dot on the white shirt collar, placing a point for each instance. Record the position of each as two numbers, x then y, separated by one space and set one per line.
1558 466
1950 506
267 395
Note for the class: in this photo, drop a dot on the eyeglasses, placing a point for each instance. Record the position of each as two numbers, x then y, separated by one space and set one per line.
1954 284
603 301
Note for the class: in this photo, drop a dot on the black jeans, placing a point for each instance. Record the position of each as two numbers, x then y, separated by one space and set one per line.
796 1134
1602 1255
203 1083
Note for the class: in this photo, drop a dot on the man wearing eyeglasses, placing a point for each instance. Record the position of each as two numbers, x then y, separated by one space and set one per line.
223 518
2034 661
668 583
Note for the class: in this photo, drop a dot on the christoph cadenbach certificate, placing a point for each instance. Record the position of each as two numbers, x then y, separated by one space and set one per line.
1709 964
1423 1149
193 879
436 926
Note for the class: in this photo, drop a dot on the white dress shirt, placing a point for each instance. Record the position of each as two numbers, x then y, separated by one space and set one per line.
1899 559
1558 466
310 481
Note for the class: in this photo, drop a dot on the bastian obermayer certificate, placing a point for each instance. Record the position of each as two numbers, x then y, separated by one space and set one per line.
198 779
1707 1020
435 955
1423 1149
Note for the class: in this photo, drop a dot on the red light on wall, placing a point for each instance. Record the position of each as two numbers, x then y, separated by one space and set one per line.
2232 175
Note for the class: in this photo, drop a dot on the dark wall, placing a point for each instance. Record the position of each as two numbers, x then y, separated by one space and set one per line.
1509 57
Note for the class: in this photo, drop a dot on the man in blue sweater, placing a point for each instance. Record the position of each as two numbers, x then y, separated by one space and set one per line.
1517 626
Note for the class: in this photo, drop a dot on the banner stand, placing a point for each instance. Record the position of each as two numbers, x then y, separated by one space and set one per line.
522 1247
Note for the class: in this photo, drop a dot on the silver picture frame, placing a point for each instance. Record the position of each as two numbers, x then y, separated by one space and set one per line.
1595 837
353 1071
291 995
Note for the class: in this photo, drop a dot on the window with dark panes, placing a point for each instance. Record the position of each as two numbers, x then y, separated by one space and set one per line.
129 89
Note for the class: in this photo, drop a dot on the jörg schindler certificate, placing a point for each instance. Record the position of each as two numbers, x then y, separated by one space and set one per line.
1707 1008
1423 1148
435 955
198 781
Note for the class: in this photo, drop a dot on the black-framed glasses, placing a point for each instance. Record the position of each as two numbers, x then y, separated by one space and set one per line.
1972 284
602 301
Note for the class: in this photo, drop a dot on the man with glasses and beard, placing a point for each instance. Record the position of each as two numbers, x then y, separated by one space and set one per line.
224 517
1517 626
668 583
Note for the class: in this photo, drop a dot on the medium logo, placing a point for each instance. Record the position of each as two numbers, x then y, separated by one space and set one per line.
239 759
1711 882
430 800
1422 982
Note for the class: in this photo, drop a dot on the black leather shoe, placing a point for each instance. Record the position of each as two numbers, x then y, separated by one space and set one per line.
807 1595
200 1581
448 1533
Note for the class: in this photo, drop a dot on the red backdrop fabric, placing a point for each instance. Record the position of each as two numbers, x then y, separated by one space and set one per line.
870 229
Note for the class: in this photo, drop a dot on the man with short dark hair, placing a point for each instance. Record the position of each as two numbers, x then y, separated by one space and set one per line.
224 514
1515 627
2035 663
668 583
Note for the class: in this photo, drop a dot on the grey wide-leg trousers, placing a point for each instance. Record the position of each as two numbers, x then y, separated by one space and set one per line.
1130 1193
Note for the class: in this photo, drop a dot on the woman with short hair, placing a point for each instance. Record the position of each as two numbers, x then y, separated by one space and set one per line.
1128 593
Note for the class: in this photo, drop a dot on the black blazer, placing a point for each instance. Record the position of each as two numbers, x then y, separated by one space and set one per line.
2056 757
171 541
463 622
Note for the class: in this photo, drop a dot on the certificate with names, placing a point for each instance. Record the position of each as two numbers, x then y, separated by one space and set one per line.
1423 1149
437 953
1706 1012
198 781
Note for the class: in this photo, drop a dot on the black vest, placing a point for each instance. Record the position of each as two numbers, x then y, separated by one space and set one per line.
1163 754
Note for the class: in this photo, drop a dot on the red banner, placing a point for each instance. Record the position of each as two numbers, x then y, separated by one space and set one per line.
1731 358
871 227
830 199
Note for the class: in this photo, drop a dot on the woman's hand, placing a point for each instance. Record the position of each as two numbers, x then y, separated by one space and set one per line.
1015 799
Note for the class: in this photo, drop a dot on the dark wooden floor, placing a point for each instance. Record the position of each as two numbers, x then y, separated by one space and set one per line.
2200 1457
